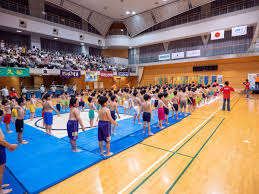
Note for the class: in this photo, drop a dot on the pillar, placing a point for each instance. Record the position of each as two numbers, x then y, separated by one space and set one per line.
37 8
35 41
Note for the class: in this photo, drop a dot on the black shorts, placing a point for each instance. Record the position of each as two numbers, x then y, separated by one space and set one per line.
19 125
113 115
2 155
156 103
176 107
1 113
166 111
203 96
82 103
58 107
190 101
147 116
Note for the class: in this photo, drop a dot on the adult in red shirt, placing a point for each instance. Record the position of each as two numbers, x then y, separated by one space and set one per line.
12 93
247 87
215 83
226 95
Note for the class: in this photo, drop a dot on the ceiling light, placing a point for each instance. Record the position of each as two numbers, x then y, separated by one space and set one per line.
130 47
18 31
127 12
55 38
133 12
82 43
122 30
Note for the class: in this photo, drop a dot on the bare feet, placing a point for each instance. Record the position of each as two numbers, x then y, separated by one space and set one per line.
150 134
109 154
6 191
5 185
9 131
23 142
77 150
12 147
167 124
143 132
140 123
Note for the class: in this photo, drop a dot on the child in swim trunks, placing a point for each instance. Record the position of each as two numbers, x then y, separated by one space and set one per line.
146 108
58 105
161 111
11 147
19 123
175 101
91 111
114 111
7 116
72 124
104 125
66 101
33 102
48 113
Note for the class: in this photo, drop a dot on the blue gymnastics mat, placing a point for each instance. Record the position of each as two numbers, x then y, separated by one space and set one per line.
46 161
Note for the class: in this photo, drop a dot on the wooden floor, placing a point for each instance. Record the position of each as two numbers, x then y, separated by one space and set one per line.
209 152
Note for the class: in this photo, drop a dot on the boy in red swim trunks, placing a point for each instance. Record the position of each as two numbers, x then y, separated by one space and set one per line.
161 111
7 116
104 125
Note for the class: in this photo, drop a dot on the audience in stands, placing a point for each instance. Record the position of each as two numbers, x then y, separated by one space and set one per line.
14 56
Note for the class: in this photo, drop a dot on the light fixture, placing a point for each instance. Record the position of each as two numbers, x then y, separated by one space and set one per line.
122 30
55 38
133 12
130 47
18 31
127 12
82 43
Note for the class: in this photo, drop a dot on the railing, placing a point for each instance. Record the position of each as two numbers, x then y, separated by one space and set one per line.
118 32
205 52
61 20
13 6
178 20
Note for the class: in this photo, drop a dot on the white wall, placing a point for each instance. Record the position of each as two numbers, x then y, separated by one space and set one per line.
43 27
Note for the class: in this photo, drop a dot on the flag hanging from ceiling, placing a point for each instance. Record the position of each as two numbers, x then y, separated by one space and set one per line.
216 35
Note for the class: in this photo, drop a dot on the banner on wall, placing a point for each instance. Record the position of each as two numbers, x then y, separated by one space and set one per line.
91 76
200 78
123 74
213 78
184 79
206 80
251 79
106 74
14 72
194 53
178 55
220 79
160 80
239 31
164 57
70 73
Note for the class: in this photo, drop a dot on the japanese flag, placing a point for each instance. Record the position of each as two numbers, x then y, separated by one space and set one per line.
217 35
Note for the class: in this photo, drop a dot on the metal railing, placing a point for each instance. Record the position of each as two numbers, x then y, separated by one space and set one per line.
178 20
13 6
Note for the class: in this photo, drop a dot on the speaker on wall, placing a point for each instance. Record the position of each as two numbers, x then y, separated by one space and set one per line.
55 31
81 37
22 24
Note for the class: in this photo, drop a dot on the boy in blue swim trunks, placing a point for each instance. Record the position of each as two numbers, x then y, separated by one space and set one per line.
72 124
147 115
11 147
104 125
48 113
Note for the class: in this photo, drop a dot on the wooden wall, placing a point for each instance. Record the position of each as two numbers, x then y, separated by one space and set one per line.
11 82
115 53
233 70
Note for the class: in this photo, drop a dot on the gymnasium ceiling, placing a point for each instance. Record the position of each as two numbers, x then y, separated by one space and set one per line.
102 13
116 9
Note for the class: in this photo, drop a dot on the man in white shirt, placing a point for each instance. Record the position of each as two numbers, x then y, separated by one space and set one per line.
65 88
53 90
74 88
42 90
5 93
24 91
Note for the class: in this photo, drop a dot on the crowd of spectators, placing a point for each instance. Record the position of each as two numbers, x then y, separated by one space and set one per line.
14 56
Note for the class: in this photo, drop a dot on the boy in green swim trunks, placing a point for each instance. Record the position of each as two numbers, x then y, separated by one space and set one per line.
91 111
65 102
